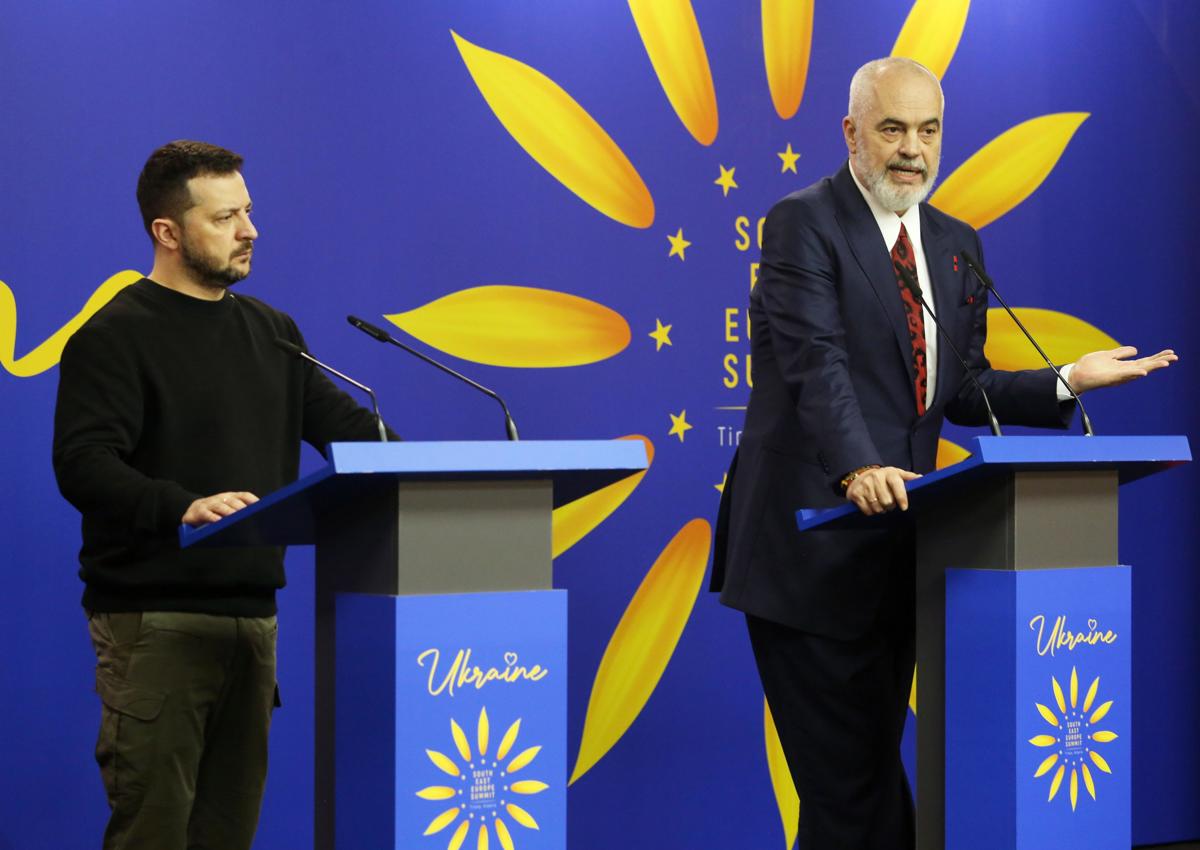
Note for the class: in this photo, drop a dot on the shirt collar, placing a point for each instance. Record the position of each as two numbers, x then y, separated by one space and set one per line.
888 222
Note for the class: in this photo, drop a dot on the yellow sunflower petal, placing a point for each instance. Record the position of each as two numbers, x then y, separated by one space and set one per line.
1045 766
1048 715
517 326
931 33
510 738
1043 740
444 763
1064 337
436 792
912 693
460 835
787 45
503 834
643 642
482 731
1056 781
442 821
482 842
1099 760
521 816
575 520
949 453
781 780
460 740
560 135
1058 695
1087 780
1007 169
47 354
1074 688
528 786
1091 694
1100 713
1104 736
1074 788
523 759
672 38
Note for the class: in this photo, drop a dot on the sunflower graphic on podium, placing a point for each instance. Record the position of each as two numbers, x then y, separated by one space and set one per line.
484 787
1075 739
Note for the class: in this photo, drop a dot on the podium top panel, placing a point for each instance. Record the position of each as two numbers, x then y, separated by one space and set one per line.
1131 457
289 516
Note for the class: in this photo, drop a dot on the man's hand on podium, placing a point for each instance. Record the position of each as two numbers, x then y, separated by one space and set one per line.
213 508
1109 368
877 491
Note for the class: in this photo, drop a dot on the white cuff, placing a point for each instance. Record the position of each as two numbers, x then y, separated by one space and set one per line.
1060 389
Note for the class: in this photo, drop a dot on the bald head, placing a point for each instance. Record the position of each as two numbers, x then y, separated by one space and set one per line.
894 131
863 95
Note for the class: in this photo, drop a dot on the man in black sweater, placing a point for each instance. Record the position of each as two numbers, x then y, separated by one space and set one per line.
174 406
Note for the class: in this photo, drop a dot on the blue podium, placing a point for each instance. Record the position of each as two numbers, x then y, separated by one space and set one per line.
1023 641
440 669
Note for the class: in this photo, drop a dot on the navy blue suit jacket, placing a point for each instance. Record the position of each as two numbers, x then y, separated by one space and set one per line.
833 391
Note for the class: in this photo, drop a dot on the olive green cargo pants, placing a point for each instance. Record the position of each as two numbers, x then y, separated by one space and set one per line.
187 702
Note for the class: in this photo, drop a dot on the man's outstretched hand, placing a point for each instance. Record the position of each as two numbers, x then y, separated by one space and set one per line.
213 508
1109 368
877 491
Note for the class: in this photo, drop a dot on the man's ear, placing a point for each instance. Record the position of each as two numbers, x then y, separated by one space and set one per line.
165 232
848 132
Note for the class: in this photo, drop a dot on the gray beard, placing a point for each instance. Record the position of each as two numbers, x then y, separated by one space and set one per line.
892 197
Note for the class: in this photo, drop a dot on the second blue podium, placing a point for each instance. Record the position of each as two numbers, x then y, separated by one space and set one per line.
1024 635
440 670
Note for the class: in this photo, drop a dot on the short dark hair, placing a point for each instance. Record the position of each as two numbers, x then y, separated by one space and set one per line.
162 186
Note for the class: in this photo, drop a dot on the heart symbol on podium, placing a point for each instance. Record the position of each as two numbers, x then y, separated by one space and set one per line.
510 658
1092 624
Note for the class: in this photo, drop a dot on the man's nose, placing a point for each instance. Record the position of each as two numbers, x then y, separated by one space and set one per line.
910 144
247 230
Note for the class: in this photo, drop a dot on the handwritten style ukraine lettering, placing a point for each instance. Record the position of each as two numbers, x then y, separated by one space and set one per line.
463 673
1060 637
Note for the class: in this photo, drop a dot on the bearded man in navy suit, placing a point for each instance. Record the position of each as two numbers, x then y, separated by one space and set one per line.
851 385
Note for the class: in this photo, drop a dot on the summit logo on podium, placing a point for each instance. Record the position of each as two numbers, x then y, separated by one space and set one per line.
1073 738
483 786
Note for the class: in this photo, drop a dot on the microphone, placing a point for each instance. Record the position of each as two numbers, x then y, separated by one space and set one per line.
910 280
976 267
381 335
300 354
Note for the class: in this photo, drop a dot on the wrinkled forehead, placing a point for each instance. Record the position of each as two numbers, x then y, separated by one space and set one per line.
210 192
904 93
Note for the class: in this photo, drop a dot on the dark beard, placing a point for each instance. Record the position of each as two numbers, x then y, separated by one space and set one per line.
207 272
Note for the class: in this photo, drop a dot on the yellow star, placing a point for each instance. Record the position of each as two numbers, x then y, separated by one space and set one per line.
789 158
678 245
725 181
661 334
720 488
679 425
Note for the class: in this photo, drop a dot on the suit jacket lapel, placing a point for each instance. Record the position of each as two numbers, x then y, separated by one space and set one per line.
874 258
936 243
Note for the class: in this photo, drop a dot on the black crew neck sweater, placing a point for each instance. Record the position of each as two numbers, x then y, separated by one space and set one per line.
163 399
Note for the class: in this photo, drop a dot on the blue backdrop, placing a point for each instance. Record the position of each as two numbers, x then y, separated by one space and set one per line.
383 180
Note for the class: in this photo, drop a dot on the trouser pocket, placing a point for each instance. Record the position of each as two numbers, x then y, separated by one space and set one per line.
126 748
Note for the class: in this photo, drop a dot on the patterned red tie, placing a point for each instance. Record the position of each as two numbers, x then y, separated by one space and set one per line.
902 257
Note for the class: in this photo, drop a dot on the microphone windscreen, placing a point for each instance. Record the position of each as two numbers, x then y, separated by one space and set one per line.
288 347
368 328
